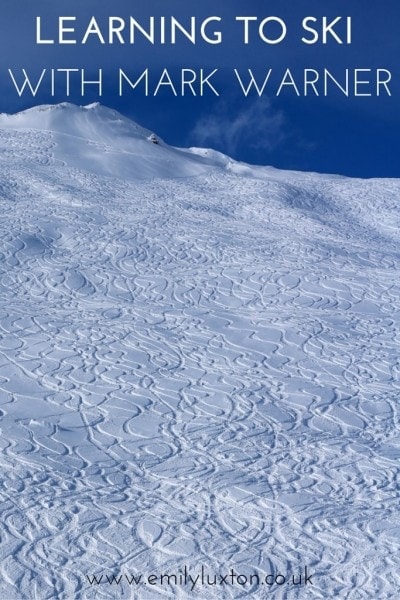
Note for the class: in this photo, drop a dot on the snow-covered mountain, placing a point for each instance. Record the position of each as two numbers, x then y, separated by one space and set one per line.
199 370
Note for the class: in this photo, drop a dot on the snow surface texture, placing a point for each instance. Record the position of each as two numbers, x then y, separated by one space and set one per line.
199 365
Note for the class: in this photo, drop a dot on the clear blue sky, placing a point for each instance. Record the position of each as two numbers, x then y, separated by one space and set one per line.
357 136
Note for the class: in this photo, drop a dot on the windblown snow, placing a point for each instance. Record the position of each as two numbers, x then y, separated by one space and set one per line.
199 371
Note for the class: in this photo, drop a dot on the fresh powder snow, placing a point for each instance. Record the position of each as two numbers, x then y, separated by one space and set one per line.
199 371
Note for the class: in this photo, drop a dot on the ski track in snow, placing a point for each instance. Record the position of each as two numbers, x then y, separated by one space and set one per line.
200 370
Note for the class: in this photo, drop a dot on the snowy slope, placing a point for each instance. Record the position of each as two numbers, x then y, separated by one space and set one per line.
199 367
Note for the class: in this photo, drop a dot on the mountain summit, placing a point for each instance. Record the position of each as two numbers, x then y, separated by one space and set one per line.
101 139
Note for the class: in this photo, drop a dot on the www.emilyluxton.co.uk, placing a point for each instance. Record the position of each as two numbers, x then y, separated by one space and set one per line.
202 578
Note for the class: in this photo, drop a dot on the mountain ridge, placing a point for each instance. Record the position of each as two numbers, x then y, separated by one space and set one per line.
106 126
103 140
